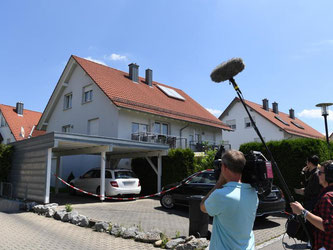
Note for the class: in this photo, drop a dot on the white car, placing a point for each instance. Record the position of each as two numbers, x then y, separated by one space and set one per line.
117 182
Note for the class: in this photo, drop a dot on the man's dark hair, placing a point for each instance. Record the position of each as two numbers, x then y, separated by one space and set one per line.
328 169
314 160
234 160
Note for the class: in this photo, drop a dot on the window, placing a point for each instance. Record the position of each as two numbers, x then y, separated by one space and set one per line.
68 101
161 128
171 92
93 127
66 128
297 125
231 123
138 127
87 94
247 122
3 122
281 120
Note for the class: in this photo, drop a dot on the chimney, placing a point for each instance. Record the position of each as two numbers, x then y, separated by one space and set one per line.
19 108
265 104
275 108
292 114
149 77
134 72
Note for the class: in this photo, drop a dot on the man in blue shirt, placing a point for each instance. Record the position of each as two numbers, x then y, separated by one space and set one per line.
233 205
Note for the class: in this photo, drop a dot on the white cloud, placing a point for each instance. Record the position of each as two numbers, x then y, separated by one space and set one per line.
215 112
95 60
116 57
315 114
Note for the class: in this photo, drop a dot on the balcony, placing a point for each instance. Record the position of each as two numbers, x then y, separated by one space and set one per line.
203 146
172 141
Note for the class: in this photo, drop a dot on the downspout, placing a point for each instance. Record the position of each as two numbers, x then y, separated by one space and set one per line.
180 134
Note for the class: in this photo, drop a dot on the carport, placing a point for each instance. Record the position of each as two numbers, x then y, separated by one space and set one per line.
31 165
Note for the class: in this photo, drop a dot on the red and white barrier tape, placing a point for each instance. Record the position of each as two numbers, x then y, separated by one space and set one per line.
131 198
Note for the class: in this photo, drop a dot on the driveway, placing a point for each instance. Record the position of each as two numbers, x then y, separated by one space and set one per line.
149 214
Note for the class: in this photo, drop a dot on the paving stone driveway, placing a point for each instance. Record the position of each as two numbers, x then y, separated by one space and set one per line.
149 214
30 231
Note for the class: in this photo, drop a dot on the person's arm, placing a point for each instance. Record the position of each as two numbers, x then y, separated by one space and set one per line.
313 219
221 181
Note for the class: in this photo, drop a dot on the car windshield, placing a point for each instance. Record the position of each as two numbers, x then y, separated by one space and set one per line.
205 177
124 174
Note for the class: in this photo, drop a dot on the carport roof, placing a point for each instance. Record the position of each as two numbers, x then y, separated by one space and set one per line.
75 144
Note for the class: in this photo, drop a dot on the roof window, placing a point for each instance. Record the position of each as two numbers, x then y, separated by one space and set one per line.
297 125
171 92
281 120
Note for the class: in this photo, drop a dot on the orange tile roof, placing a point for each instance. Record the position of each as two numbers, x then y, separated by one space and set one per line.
15 121
308 131
124 93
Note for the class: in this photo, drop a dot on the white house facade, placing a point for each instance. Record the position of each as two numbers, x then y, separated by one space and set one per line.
93 99
272 124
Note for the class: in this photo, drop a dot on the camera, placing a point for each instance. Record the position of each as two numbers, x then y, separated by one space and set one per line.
257 171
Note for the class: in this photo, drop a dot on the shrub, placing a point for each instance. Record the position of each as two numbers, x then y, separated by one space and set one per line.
68 208
5 161
290 156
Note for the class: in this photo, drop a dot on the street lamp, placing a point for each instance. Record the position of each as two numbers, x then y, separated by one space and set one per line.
324 112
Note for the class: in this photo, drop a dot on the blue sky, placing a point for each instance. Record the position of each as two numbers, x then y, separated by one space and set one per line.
287 47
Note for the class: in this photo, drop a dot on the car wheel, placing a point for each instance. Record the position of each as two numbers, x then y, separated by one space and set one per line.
167 201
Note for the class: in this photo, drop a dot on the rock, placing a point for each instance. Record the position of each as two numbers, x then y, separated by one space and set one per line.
200 243
158 243
59 215
130 233
148 237
92 222
37 209
173 243
69 216
101 226
75 220
43 209
83 221
189 238
50 212
117 230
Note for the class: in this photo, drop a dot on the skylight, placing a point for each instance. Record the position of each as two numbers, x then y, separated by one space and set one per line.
281 120
171 92
297 125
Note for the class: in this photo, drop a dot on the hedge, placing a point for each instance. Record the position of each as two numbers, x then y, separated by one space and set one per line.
5 161
290 156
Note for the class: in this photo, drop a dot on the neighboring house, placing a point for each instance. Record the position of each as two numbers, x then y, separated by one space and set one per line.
331 137
94 99
272 124
17 123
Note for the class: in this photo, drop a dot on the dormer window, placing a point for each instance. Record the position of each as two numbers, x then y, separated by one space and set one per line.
68 101
87 94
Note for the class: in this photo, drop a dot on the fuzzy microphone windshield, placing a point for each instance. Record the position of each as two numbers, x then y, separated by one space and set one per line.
227 70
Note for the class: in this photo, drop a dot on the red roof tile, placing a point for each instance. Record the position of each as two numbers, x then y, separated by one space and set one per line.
123 92
291 128
15 121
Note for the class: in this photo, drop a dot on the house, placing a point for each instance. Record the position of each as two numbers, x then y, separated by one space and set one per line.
272 124
17 123
94 99
100 116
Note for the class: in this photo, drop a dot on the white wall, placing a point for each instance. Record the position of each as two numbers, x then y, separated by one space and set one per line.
100 107
5 132
242 135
